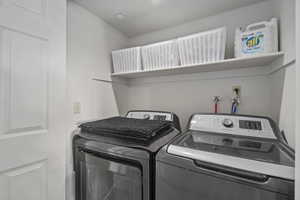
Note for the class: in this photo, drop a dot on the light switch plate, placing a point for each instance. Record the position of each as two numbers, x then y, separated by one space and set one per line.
76 107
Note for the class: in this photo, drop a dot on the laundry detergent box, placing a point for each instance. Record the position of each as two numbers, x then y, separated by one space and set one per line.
258 38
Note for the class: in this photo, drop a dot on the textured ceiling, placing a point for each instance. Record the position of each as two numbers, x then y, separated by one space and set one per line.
143 16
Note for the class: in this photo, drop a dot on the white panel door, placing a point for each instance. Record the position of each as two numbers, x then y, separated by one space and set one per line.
32 99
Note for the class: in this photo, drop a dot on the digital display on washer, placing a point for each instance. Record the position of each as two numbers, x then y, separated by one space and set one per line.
159 117
252 125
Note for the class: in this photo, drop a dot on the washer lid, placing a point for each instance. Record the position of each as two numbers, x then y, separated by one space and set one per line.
257 156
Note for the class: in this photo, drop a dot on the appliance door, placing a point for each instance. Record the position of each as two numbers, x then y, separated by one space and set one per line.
106 177
193 181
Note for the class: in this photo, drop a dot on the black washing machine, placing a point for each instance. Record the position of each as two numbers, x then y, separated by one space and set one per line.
114 159
226 157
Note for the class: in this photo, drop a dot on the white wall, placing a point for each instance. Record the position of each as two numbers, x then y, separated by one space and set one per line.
189 94
261 95
285 11
90 41
285 80
231 19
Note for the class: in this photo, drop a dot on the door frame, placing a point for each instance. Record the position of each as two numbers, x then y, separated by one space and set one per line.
297 168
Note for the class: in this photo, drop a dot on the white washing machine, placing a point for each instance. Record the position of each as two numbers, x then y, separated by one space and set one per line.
226 157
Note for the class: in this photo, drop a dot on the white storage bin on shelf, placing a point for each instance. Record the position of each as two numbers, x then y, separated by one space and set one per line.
202 47
127 60
160 55
258 38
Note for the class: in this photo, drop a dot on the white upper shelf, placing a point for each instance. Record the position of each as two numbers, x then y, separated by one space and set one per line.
227 64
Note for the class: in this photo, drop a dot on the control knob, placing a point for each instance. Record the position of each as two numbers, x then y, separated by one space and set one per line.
228 123
147 116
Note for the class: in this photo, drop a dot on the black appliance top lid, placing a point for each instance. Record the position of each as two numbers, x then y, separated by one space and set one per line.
269 157
243 147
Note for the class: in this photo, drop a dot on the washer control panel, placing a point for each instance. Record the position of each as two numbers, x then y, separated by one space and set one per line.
233 124
150 115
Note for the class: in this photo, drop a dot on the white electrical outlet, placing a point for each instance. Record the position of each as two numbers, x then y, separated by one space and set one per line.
238 88
76 108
